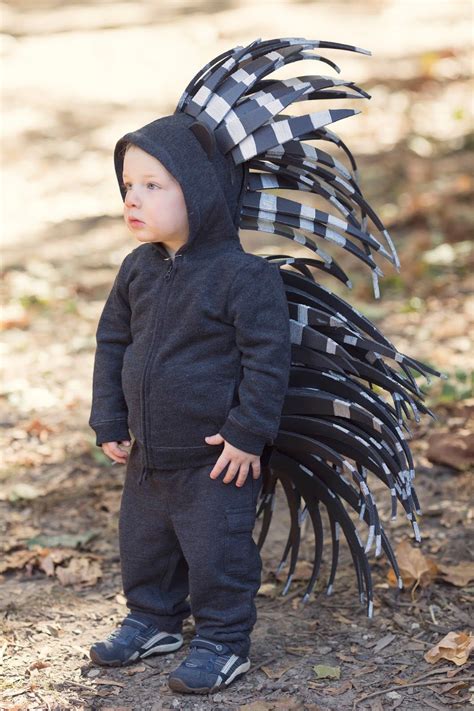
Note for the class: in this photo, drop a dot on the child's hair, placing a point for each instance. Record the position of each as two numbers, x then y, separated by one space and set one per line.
125 148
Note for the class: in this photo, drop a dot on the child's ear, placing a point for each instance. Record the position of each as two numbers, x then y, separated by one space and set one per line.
205 137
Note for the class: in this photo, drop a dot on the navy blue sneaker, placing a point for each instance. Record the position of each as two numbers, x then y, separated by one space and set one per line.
131 641
208 666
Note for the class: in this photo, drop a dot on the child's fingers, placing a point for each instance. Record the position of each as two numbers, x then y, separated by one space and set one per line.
243 474
113 451
121 450
256 471
114 458
231 472
218 467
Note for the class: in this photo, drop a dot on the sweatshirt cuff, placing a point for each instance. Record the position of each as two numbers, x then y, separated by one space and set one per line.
242 438
114 431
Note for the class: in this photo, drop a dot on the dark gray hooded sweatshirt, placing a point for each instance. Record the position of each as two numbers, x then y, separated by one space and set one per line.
199 344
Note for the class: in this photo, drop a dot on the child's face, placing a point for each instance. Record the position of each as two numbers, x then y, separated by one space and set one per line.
154 197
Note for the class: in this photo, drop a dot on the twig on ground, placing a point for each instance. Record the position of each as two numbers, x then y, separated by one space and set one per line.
262 664
399 687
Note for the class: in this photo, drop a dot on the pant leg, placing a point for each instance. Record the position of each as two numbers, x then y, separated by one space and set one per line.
154 569
213 522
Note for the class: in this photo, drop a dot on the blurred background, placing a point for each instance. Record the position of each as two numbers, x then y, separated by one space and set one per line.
76 77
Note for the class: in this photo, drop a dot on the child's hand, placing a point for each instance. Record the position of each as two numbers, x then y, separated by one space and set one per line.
238 460
113 451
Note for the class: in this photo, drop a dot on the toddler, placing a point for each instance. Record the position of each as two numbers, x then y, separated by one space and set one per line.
193 360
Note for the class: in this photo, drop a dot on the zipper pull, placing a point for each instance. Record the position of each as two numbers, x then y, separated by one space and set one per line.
173 265
170 269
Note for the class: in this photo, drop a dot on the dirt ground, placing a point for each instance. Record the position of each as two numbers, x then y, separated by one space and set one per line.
48 627
78 77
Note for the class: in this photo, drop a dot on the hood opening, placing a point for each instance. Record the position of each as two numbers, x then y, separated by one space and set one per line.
213 187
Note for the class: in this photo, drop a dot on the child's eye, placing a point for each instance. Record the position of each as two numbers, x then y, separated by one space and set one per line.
124 186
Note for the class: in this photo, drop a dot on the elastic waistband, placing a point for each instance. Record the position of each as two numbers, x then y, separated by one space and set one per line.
159 458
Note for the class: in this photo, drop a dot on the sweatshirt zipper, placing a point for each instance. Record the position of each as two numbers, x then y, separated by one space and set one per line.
170 272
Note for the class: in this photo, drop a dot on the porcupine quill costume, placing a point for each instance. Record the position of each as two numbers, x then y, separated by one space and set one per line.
335 428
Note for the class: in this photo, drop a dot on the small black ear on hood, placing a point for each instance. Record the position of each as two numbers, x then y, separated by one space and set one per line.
205 137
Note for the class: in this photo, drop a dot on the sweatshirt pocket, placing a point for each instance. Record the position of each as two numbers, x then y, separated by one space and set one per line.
182 410
131 377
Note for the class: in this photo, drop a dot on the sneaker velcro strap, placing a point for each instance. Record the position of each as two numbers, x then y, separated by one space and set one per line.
216 647
131 622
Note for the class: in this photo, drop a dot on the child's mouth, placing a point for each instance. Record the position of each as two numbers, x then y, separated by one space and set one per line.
135 223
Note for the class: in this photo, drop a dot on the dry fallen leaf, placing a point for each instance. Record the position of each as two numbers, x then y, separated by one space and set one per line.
14 316
323 671
365 670
47 565
39 664
453 516
267 590
283 704
303 571
299 650
135 670
109 682
340 618
415 567
48 559
38 428
456 449
460 574
338 690
16 560
80 570
455 646
275 674
346 657
383 642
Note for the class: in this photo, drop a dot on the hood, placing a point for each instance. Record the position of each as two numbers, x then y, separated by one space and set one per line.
213 187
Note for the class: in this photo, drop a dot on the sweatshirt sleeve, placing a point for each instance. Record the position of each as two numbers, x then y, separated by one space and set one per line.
258 308
109 413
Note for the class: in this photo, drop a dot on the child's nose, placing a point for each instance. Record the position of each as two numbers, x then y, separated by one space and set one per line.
131 198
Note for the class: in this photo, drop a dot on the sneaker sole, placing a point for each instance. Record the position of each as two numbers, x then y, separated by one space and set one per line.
177 684
160 649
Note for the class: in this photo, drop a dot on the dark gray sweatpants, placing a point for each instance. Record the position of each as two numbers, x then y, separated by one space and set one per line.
182 533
